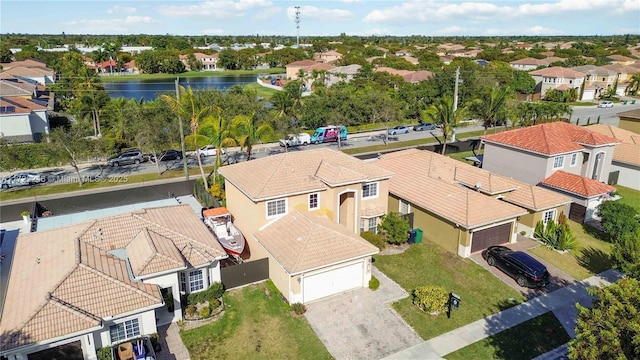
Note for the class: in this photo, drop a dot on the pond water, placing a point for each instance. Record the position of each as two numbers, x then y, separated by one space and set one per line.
150 89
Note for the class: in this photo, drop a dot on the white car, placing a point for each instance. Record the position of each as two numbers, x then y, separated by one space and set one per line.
209 150
605 104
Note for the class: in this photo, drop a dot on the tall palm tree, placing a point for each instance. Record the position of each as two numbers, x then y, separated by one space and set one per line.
490 107
217 130
442 114
249 132
634 86
188 107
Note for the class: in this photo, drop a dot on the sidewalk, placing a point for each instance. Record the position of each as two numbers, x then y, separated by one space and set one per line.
561 301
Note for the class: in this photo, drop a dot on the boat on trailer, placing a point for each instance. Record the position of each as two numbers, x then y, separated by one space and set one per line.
220 223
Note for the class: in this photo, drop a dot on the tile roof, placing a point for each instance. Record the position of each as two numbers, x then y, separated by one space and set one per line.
621 69
617 57
150 252
594 70
21 105
558 72
302 241
30 63
550 138
299 172
530 61
16 87
301 63
428 180
628 151
633 114
320 66
576 184
27 71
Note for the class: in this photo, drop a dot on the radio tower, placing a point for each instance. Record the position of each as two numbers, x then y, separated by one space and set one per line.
297 27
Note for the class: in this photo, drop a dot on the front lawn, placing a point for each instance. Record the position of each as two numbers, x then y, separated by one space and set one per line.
591 258
255 326
524 341
481 292
629 196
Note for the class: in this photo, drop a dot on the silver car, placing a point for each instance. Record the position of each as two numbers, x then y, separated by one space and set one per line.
22 179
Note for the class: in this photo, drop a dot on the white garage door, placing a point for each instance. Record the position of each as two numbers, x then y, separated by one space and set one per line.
332 282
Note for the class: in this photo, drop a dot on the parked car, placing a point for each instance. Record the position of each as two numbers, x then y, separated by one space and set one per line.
605 104
168 155
127 158
400 129
424 127
527 271
22 179
209 150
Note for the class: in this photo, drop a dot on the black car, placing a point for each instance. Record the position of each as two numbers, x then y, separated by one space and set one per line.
527 271
424 127
169 155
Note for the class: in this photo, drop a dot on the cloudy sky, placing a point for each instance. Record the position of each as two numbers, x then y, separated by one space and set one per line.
323 18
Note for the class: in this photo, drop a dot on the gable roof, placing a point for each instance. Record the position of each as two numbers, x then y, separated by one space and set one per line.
302 241
550 138
576 184
594 70
299 172
557 72
16 87
620 68
20 105
301 63
633 114
530 61
628 151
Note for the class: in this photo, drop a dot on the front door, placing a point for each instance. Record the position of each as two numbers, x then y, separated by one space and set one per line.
347 210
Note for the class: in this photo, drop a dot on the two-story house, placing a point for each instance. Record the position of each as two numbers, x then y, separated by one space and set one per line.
564 157
304 211
625 73
328 56
98 282
625 166
527 64
23 120
598 81
558 78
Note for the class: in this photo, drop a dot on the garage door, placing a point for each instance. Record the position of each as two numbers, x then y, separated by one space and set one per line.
496 235
332 282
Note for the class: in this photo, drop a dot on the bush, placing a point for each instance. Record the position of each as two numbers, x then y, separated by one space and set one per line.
104 353
217 289
556 235
375 239
190 310
155 341
431 299
214 304
205 312
298 308
374 283
213 292
394 229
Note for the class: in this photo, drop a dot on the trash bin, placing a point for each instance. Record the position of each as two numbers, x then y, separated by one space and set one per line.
412 237
418 238
624 102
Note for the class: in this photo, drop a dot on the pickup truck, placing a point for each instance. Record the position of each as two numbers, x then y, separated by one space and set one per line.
296 140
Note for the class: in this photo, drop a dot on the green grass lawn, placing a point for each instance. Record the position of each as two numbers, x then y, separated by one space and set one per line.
629 196
125 78
265 92
463 154
481 292
522 342
591 258
255 326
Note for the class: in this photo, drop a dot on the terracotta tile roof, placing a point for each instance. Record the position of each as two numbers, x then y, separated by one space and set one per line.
633 114
551 59
373 210
393 71
418 76
21 105
331 53
28 71
299 172
558 72
619 58
303 241
530 61
319 66
550 138
535 198
150 252
628 151
301 63
576 184
16 87
425 179
30 63
71 286
621 69
594 70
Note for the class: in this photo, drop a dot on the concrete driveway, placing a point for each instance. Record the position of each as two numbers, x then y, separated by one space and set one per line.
360 324
559 278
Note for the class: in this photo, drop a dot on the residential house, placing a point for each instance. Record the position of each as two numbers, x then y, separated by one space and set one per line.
293 69
342 73
99 282
410 76
29 70
304 210
598 81
23 119
471 53
10 86
209 62
625 165
558 78
523 46
621 59
624 73
411 60
461 207
534 154
328 56
630 120
527 64
403 53
135 50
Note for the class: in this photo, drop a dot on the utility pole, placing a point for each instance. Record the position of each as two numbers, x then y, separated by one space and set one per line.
297 27
184 150
455 90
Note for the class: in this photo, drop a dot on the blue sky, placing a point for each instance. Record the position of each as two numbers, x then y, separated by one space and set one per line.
323 18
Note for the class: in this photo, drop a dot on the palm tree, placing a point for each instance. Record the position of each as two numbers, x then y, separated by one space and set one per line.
490 107
217 130
634 86
248 132
188 106
442 114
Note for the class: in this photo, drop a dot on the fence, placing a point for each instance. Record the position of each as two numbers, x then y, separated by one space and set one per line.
203 196
245 273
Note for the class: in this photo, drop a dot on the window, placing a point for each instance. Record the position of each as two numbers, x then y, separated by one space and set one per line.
548 215
362 224
276 207
369 224
369 190
196 281
574 159
404 207
183 282
558 162
314 202
125 330
597 164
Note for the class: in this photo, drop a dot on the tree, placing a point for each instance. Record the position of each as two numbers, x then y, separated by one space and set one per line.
71 146
249 132
523 82
394 229
634 86
217 131
490 106
611 328
442 114
622 225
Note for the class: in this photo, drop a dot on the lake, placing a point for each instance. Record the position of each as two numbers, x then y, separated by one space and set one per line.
150 89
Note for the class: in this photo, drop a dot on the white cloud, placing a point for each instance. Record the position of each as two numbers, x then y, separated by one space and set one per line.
631 5
540 30
121 10
313 12
218 9
212 32
267 13
552 8
352 1
370 32
108 26
451 30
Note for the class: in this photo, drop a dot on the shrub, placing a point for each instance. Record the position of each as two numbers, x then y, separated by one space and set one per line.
375 239
190 310
214 304
431 299
217 289
394 229
205 312
298 308
155 341
213 292
523 233
556 235
374 283
104 353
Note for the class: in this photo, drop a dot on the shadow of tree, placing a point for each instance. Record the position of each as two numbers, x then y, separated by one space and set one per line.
555 283
592 231
594 260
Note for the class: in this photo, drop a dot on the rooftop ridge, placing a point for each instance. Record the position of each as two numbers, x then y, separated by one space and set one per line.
120 282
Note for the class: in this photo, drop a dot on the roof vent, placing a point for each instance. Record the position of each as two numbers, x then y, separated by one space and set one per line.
478 185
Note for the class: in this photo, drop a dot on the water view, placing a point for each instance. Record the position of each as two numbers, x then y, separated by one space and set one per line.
150 89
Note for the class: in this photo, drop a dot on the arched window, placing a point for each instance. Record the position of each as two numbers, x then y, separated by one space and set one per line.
597 165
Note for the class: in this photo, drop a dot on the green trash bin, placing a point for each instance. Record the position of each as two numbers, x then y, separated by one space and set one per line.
624 102
418 239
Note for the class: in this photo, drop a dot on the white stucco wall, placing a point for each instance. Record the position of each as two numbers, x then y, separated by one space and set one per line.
147 321
15 125
170 281
629 176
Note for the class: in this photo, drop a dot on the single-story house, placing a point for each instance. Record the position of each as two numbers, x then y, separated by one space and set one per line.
630 120
23 120
625 165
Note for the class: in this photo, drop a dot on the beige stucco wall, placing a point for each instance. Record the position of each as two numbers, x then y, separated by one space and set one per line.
528 222
292 72
630 124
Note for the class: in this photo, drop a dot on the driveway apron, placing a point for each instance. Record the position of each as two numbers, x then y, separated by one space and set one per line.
360 324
